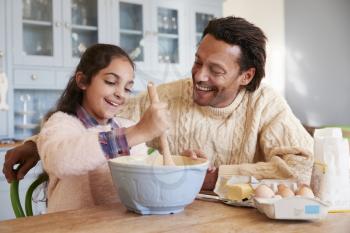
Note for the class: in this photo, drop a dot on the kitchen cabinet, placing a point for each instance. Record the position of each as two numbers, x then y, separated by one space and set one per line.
199 18
55 32
152 32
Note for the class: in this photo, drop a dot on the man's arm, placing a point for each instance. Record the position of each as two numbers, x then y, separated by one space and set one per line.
285 145
25 155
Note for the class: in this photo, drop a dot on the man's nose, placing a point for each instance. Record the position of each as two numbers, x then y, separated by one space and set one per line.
202 75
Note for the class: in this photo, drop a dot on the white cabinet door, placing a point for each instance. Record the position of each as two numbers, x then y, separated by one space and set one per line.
131 30
200 15
169 24
153 33
37 31
82 27
56 32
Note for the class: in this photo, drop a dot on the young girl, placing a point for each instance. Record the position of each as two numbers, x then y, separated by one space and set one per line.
82 133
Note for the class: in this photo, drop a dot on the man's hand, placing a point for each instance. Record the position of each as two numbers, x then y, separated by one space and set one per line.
210 179
212 172
26 156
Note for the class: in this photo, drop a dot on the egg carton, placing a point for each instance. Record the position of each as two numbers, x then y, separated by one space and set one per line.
292 208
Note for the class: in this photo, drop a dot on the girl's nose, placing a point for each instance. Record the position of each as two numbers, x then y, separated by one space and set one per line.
119 93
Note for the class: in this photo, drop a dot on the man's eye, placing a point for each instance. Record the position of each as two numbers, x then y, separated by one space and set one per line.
128 90
216 72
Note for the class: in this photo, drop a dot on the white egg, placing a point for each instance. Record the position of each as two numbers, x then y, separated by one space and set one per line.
263 191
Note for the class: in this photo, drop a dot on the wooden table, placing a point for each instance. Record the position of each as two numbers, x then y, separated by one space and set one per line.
201 216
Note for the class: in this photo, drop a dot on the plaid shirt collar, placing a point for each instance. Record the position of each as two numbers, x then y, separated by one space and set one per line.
89 122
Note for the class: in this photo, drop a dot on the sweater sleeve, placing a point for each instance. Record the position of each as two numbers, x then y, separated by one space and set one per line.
135 107
286 147
67 148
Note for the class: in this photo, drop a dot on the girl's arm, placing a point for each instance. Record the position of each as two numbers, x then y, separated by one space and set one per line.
66 147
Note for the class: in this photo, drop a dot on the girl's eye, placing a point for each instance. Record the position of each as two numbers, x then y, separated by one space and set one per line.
109 82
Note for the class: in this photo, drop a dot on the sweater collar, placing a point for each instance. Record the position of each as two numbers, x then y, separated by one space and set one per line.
89 121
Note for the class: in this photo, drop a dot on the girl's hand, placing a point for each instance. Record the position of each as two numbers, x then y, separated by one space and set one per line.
154 122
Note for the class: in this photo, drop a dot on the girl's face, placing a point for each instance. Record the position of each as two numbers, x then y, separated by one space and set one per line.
108 89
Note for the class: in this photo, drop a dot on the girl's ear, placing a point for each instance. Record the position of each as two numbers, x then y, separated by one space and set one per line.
248 75
80 80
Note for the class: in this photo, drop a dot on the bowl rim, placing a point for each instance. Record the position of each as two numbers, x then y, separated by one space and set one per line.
205 163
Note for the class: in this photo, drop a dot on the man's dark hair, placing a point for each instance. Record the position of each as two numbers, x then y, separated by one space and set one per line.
250 39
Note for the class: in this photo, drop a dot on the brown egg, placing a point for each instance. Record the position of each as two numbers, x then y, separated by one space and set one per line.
305 191
281 187
284 191
264 191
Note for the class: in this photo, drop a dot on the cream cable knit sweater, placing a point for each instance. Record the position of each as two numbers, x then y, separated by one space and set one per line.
255 135
73 158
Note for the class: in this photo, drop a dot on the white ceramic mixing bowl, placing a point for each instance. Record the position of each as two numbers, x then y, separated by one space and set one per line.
145 186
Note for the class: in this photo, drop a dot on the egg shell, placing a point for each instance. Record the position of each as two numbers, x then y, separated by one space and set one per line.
263 191
282 186
285 192
305 191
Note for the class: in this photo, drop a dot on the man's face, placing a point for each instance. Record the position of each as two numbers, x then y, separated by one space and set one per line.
216 73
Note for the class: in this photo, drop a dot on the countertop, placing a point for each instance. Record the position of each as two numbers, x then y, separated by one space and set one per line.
200 216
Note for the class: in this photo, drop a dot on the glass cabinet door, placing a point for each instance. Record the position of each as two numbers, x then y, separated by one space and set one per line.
202 20
37 25
80 20
84 30
168 35
36 32
131 30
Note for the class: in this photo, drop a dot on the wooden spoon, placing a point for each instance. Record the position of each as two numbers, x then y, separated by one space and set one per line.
164 146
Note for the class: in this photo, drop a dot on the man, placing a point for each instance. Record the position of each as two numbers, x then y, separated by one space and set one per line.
241 126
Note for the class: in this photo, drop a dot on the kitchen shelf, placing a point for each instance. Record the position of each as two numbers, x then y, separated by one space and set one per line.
26 126
37 22
27 113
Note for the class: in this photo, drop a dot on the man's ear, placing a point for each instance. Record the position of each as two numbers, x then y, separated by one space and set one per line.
80 80
248 76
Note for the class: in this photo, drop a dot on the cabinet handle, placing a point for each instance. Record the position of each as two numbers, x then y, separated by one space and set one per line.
58 24
148 33
34 77
67 25
1 53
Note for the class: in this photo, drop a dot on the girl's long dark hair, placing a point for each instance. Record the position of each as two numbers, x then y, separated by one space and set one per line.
94 59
